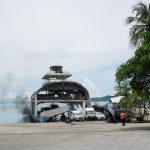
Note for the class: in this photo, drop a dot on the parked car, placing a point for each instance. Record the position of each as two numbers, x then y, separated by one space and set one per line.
100 116
90 114
77 116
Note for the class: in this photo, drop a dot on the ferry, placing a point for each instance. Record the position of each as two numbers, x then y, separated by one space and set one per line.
57 96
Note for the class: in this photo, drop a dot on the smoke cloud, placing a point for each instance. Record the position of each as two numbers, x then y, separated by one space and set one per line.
6 94
23 103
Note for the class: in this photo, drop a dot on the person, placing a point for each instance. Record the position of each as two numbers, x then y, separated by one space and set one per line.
115 120
123 118
67 117
63 117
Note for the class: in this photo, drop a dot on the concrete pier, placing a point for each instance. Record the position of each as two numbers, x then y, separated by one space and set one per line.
97 135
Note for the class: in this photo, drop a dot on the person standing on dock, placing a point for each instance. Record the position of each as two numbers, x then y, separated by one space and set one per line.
123 118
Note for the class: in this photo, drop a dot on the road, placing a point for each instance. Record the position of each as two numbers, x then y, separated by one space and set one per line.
94 135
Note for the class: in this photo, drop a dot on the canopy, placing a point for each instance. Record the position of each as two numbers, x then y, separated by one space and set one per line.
116 99
54 75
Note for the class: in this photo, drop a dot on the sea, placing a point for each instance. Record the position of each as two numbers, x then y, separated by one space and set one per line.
14 112
11 113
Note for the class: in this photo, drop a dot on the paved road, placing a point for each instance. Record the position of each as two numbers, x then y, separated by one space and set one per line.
79 136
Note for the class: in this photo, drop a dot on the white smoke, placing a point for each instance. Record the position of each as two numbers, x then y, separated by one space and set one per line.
7 95
91 87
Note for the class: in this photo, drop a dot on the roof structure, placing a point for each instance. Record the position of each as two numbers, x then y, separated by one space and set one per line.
116 99
54 75
56 72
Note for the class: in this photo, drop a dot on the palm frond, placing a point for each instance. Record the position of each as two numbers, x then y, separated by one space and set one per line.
134 35
140 22
141 10
131 19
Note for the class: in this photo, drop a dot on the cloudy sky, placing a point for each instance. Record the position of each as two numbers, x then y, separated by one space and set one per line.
88 37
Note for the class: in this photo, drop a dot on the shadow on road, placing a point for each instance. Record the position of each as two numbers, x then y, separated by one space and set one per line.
136 128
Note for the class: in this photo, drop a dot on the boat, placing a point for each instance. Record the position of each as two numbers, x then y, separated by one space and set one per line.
57 96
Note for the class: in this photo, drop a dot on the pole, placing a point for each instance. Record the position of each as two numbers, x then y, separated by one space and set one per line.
35 105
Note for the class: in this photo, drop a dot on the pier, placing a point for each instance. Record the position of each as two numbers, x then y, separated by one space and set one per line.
95 135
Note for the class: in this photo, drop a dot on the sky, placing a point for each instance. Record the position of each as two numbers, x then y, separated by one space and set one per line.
88 37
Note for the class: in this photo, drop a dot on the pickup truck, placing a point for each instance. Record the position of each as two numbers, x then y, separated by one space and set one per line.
90 114
77 116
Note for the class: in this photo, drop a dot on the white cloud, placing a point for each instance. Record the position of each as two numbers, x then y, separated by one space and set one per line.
84 36
91 87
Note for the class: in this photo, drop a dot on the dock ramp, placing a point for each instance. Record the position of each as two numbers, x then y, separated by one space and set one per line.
54 112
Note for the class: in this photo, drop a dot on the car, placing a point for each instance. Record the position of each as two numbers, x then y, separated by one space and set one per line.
100 116
90 114
77 116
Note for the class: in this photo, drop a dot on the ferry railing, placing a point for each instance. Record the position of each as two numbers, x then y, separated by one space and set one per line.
56 80
47 97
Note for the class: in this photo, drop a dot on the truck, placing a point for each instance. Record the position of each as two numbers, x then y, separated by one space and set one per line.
77 116
112 110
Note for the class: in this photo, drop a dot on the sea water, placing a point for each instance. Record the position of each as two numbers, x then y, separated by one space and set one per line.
101 103
9 113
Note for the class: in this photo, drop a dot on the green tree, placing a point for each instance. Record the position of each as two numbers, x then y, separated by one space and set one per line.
140 22
133 77
136 71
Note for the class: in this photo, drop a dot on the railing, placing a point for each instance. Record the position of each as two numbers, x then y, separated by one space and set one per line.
47 97
55 80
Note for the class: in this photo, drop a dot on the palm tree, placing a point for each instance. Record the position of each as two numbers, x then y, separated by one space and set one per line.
140 22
